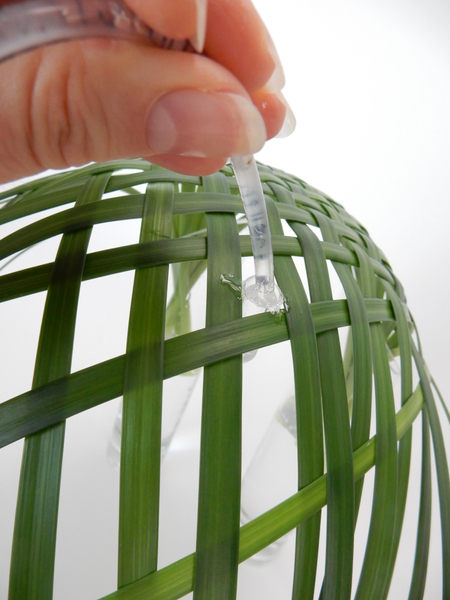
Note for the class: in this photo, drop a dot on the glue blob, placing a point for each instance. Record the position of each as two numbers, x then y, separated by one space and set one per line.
272 301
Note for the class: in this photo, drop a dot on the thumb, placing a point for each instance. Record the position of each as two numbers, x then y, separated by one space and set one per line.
72 103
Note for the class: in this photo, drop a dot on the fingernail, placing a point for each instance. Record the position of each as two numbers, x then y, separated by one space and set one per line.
289 122
204 124
276 80
198 39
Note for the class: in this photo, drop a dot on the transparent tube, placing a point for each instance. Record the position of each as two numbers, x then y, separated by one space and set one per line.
249 183
261 289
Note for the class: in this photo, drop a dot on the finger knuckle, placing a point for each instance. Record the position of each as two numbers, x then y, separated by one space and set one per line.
67 113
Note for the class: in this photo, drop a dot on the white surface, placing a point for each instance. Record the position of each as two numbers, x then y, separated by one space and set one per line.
370 87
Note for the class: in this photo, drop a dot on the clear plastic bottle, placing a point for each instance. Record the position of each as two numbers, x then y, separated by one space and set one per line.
271 476
177 392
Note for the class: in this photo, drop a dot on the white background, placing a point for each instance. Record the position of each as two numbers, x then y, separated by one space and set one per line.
369 84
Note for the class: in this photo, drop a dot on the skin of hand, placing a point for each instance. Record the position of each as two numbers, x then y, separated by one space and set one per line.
94 100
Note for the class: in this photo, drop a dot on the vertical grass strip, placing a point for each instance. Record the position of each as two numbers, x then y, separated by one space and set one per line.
379 557
404 450
308 403
217 553
33 553
142 401
361 400
338 444
442 472
419 576
376 570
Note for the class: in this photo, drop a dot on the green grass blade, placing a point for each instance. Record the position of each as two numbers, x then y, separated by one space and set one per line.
185 275
117 260
33 553
97 384
360 342
404 451
361 366
441 469
374 579
216 562
107 262
108 210
26 205
142 400
310 452
419 577
441 400
176 580
380 556
62 180
272 525
340 504
78 217
33 550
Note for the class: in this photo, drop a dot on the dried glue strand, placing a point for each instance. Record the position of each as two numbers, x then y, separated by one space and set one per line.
30 24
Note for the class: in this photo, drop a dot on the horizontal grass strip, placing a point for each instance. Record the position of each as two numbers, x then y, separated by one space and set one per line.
126 258
123 208
57 190
61 179
176 580
66 397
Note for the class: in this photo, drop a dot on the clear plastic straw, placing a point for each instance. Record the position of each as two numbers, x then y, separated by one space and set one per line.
252 196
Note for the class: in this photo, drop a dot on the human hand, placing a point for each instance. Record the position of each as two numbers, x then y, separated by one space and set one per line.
94 100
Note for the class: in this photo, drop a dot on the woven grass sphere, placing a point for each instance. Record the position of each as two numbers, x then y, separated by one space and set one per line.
347 418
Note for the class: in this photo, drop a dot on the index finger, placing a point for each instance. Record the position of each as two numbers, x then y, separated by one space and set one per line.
235 36
177 19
